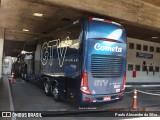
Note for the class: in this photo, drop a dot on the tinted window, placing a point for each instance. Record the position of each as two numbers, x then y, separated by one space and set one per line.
130 67
65 42
137 67
151 49
150 68
138 46
69 39
144 68
157 49
131 45
145 48
99 29
156 69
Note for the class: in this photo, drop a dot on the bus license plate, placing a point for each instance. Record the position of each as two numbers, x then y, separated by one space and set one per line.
107 98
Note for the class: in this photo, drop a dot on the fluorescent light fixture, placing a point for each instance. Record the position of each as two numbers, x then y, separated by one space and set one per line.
155 37
38 14
25 30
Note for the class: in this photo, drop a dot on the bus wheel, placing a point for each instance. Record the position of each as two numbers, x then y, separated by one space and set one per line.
25 76
55 93
22 76
47 88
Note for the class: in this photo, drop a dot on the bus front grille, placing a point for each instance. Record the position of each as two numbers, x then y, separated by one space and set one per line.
106 66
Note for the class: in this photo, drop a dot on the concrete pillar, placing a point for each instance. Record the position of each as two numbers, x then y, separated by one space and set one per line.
1 49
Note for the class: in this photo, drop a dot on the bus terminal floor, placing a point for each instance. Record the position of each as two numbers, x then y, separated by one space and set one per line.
24 96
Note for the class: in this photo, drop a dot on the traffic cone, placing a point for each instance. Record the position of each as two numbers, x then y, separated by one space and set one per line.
12 78
134 103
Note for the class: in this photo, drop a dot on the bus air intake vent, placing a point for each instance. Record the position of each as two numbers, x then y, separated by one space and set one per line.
106 66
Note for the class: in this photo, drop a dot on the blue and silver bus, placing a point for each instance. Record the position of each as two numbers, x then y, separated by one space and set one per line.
85 62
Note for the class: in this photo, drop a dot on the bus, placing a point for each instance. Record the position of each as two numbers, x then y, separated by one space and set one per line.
85 62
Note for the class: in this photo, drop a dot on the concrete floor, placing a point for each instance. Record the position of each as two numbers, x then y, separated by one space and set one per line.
28 97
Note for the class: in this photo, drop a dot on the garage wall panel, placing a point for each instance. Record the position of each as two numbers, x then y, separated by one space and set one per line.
132 59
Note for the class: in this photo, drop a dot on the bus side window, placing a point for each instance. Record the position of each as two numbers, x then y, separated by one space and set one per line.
69 35
55 55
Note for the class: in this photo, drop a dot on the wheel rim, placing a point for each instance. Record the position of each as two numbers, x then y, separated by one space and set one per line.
46 87
55 92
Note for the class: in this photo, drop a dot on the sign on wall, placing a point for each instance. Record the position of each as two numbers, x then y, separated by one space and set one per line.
144 55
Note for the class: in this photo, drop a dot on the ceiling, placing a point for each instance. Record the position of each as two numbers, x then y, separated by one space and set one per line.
153 2
16 15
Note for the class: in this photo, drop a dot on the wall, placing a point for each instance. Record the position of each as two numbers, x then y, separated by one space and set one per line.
142 76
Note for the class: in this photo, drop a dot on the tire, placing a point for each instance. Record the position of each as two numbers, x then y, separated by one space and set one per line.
55 93
47 88
25 76
22 76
